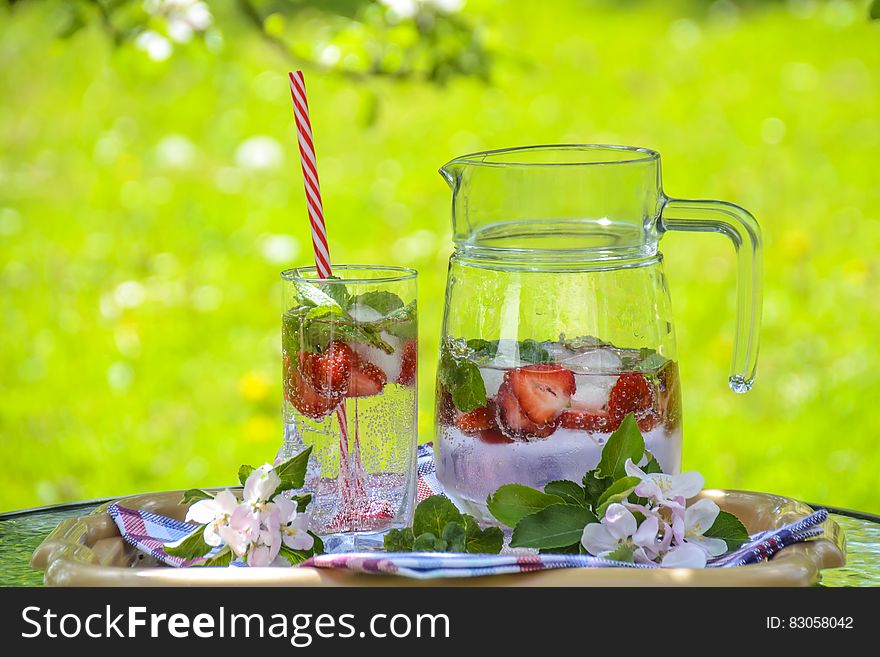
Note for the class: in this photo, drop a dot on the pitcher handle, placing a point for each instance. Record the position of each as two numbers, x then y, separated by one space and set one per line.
743 230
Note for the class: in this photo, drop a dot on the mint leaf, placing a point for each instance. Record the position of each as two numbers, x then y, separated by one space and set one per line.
381 301
189 547
223 558
625 443
244 472
401 322
616 492
427 542
463 381
649 360
594 486
312 295
399 540
483 348
555 526
337 291
728 528
481 541
582 343
194 495
513 502
292 471
432 514
532 352
454 536
623 552
569 491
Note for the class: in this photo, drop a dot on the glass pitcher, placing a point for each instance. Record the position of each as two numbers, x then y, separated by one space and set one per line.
558 322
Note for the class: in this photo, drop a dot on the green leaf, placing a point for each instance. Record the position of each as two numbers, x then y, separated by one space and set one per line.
481 541
532 352
875 11
400 323
556 526
318 545
381 301
574 548
728 528
513 502
625 443
399 540
594 486
190 547
244 472
650 360
463 381
454 536
616 492
652 466
569 491
432 514
623 552
223 558
482 349
302 501
337 291
427 542
312 295
295 557
292 471
194 495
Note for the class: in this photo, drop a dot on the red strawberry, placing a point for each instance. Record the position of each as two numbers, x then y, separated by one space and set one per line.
305 398
543 391
478 420
513 422
493 437
631 394
409 361
330 370
366 379
585 420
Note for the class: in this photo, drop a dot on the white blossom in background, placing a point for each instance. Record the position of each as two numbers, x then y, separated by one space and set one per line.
408 8
157 47
183 19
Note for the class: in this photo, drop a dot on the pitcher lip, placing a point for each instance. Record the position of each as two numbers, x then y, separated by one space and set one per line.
639 154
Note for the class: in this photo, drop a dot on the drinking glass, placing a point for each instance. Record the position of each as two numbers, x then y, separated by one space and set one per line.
349 354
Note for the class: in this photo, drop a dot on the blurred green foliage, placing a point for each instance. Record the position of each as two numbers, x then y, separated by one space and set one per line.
150 194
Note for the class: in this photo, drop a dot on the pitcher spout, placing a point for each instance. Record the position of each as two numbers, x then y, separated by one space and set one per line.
451 172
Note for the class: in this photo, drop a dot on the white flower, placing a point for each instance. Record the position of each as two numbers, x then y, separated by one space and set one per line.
215 513
619 527
664 489
267 543
684 556
260 484
697 519
294 526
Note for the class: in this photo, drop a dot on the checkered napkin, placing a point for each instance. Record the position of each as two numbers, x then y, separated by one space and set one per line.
148 532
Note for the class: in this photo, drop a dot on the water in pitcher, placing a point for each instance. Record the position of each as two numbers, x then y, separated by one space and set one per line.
550 407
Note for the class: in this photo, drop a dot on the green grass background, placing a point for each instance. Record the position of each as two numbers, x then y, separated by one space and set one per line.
139 254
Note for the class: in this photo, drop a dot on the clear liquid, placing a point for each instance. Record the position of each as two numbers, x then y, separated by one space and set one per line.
382 439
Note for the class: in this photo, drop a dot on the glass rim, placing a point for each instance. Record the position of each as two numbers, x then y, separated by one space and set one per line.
483 158
396 274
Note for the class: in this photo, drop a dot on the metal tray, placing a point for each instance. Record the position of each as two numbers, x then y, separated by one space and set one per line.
89 551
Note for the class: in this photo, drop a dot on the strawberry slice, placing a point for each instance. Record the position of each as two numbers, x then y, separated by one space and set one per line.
543 391
513 421
585 420
408 363
479 419
631 394
366 379
493 437
330 370
304 397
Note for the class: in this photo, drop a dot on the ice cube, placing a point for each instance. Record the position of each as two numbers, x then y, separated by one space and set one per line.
388 363
594 360
592 390
361 313
492 379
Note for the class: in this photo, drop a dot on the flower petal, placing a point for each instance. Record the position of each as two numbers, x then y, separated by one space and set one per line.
700 516
646 535
261 483
298 540
686 484
621 523
226 501
684 556
714 547
203 512
597 539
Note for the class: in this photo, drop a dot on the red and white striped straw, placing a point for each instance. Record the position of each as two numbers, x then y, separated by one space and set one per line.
310 173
